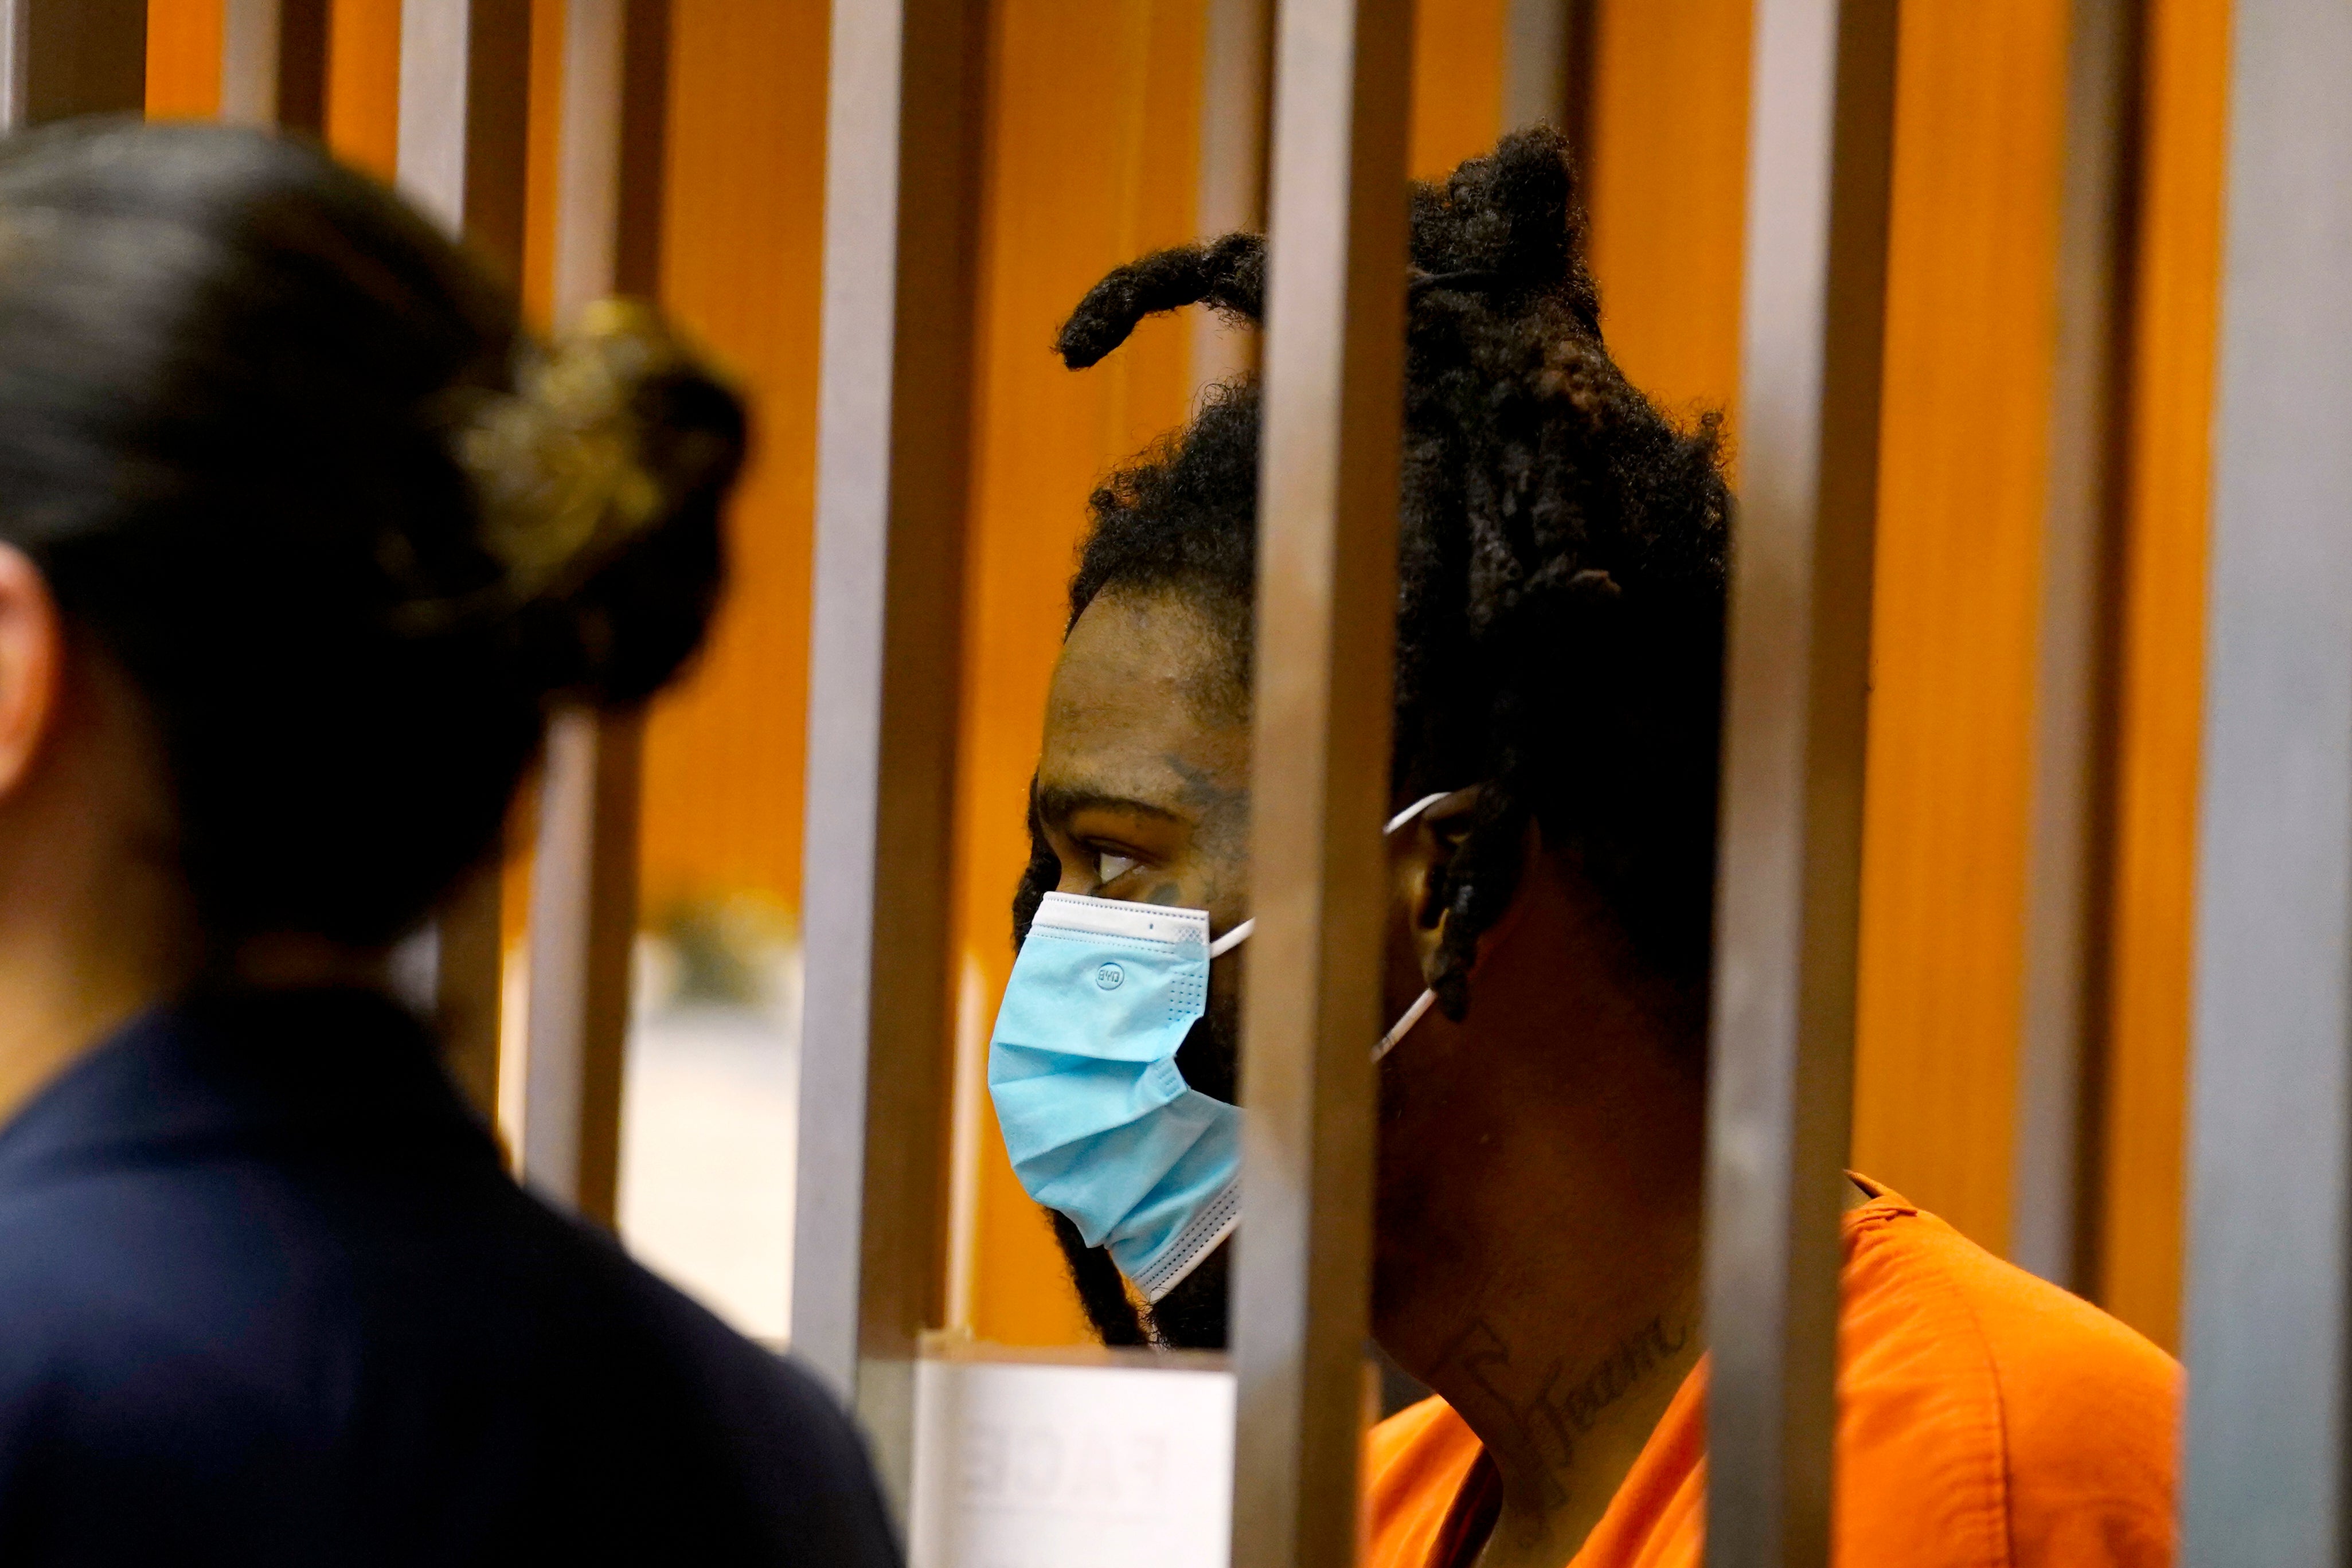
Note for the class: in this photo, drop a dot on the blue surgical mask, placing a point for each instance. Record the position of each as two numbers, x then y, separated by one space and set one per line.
1098 1122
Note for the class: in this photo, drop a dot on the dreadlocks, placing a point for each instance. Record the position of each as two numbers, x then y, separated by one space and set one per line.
1560 594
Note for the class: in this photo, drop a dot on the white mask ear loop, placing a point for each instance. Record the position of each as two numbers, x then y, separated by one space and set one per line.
1240 933
1420 1004
1403 1026
1415 809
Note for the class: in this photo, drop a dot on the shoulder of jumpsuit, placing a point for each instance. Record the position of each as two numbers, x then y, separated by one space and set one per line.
1990 1412
1415 1464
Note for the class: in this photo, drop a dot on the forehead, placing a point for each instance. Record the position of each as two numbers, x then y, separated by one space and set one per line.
1126 715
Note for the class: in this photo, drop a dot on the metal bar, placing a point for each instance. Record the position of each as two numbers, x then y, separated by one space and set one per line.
2061 1024
588 154
63 57
273 63
1325 628
15 39
902 182
1235 56
1535 61
1548 48
583 917
431 164
2271 1081
584 913
1788 876
465 73
451 52
249 84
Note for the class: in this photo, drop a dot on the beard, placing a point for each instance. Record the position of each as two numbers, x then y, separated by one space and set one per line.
1195 1315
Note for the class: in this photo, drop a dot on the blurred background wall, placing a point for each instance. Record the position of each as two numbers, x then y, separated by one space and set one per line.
1093 149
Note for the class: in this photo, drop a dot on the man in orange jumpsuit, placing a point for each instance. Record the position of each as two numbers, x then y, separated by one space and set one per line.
1538 1226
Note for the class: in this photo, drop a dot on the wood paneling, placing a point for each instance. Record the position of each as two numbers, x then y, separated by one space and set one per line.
2187 94
363 82
183 59
1970 338
1665 186
545 123
742 222
1457 82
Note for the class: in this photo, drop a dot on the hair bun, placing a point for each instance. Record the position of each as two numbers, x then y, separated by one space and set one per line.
1511 218
600 480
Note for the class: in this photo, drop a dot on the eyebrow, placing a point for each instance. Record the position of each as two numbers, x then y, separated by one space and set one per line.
1059 804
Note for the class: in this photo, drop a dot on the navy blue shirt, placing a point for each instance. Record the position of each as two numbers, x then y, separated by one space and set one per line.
267 1296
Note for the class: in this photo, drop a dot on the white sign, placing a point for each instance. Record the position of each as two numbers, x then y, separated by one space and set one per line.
1030 1465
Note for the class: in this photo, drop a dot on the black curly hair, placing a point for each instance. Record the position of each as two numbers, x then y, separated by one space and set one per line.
1561 569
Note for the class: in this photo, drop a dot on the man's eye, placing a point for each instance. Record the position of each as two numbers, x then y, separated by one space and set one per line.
1109 868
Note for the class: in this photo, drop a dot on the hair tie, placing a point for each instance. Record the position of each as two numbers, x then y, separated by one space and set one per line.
1470 281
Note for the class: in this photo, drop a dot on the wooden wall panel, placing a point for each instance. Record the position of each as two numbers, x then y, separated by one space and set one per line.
742 219
363 82
545 125
1665 186
2186 81
1457 82
183 59
1970 339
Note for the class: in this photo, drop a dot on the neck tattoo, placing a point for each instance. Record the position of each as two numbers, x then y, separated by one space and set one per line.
1569 1399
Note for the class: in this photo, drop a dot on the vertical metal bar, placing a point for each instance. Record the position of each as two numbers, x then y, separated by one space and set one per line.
1548 46
584 912
1535 61
893 458
1325 619
434 39
248 85
1235 59
1787 891
2271 1090
273 63
15 37
66 58
583 918
454 53
2060 1038
588 154
465 73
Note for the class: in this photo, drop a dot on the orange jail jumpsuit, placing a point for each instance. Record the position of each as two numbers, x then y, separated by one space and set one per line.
1985 1418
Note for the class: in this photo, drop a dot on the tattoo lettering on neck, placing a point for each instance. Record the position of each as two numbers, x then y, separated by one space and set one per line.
1568 1400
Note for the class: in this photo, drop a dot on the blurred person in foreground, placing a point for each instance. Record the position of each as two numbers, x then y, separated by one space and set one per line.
1550 862
300 537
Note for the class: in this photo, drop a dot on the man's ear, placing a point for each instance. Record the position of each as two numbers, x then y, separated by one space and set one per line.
32 659
1436 838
